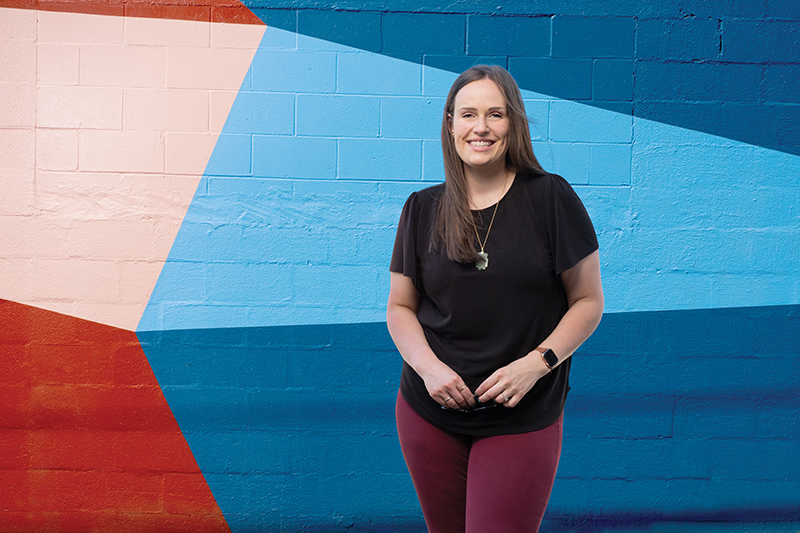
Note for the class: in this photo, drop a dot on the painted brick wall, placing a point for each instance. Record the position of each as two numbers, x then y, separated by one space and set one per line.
201 211
106 124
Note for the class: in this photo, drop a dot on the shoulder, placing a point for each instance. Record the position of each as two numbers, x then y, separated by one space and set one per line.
422 206
542 181
429 194
544 186
425 199
551 196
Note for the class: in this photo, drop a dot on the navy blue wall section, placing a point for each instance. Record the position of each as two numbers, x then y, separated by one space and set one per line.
778 9
674 416
727 68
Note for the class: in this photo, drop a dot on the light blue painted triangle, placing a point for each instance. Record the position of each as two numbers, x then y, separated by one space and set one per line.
294 219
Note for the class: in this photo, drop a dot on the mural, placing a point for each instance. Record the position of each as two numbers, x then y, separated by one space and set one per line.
200 207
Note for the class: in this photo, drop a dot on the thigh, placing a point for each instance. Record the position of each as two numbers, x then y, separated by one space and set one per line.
510 478
437 461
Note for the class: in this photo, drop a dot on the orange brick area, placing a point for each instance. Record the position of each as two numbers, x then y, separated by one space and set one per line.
230 11
87 440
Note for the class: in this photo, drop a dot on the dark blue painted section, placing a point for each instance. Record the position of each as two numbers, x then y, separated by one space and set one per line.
501 36
595 37
744 9
356 29
570 79
726 68
677 416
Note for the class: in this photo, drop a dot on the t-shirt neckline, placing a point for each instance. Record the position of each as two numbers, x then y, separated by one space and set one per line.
513 182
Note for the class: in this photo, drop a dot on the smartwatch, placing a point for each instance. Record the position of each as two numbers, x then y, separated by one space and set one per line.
549 356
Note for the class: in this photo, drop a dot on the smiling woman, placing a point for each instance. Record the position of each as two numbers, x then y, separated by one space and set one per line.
486 346
479 125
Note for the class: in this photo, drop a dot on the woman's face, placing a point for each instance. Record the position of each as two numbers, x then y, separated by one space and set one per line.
480 126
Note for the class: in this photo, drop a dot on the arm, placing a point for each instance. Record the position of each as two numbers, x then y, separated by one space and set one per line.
585 298
401 318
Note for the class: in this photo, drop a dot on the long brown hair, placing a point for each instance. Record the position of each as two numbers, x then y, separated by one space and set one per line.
454 219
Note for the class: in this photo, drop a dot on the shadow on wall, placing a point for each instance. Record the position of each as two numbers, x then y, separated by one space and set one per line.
678 417
775 520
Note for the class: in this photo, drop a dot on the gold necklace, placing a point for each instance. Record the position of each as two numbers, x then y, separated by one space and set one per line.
483 262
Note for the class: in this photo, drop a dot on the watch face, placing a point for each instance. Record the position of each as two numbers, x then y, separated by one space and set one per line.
551 358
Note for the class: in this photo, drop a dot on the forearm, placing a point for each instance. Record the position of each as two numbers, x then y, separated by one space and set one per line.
575 327
585 308
410 340
443 385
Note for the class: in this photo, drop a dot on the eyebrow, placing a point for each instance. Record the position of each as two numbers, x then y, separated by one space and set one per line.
496 108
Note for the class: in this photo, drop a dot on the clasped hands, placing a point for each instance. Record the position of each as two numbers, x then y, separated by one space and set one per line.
506 386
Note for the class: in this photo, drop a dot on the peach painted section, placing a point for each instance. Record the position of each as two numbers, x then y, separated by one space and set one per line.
106 126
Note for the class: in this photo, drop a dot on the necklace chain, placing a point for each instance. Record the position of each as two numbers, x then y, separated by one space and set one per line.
486 239
484 261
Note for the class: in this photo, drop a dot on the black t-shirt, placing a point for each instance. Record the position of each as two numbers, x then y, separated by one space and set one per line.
477 321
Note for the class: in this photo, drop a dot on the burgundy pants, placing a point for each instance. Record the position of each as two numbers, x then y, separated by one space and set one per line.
473 484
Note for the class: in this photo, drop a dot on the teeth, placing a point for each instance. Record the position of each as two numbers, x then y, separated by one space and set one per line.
481 143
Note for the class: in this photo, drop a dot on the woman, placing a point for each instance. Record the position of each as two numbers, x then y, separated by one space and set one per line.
495 282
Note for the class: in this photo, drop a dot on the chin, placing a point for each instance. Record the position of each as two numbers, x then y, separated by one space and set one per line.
485 165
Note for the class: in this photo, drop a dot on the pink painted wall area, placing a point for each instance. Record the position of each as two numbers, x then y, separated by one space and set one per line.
108 116
106 125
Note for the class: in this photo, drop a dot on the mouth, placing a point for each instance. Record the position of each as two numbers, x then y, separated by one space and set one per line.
481 144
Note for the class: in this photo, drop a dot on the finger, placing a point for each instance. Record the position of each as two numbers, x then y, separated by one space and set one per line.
451 401
501 398
457 401
466 396
508 398
487 385
494 394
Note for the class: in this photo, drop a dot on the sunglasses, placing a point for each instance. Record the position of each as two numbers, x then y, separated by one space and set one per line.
478 407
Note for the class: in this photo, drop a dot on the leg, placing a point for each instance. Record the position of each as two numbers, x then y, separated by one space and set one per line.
437 461
510 478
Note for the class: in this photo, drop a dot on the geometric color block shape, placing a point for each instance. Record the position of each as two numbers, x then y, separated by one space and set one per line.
122 131
719 49
621 166
88 440
301 420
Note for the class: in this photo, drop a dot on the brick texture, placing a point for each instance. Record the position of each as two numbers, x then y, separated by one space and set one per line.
260 306
87 432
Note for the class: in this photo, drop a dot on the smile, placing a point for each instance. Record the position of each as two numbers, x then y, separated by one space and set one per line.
481 144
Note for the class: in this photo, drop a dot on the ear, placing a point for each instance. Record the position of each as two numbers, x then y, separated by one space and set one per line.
450 123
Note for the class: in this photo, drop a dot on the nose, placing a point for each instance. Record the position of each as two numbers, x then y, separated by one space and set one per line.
480 125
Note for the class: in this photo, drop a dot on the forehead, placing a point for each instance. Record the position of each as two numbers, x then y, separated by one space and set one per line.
480 93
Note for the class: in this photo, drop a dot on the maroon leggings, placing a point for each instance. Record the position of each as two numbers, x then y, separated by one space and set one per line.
474 484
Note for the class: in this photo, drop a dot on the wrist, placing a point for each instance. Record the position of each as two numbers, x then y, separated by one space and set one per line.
428 365
549 357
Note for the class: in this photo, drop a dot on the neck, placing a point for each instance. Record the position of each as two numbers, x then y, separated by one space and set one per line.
487 188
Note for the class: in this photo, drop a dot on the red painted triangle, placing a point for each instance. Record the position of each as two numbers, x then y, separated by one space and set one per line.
87 440
230 11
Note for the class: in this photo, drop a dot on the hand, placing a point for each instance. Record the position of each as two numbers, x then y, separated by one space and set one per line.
447 387
509 384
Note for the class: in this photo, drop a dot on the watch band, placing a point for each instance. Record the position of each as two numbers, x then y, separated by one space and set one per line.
549 357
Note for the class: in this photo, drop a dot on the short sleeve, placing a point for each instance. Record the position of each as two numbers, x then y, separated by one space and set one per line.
572 234
404 254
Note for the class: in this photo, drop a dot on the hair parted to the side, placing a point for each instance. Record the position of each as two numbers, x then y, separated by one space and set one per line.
454 221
